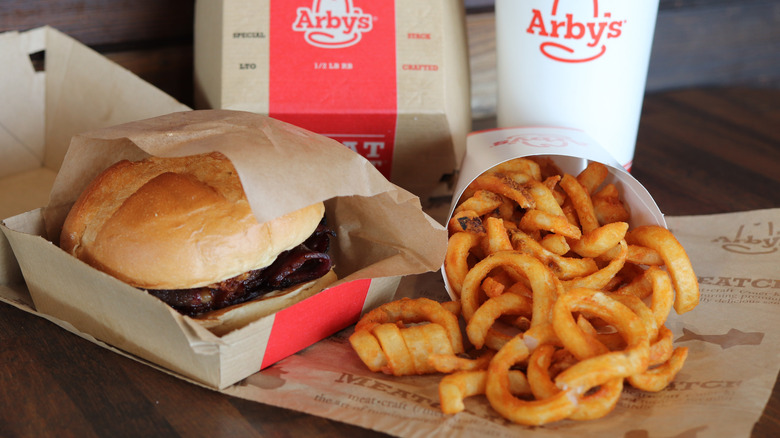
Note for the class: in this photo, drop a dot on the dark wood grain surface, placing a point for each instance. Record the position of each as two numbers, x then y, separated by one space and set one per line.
705 150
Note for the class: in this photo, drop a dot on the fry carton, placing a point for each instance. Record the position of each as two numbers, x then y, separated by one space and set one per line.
382 232
570 149
389 79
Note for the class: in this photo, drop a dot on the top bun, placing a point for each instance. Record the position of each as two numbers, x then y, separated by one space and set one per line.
177 223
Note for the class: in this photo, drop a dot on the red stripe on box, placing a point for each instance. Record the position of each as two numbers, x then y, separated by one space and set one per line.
332 70
315 318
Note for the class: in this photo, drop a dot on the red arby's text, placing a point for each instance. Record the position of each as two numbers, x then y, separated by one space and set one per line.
570 38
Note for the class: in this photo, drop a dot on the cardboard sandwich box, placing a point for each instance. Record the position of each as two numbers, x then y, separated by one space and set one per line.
383 235
45 103
77 90
387 78
43 108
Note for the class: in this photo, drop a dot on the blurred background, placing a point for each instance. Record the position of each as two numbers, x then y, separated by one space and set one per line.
697 42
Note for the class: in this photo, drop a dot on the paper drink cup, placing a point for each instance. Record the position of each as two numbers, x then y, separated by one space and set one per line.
575 63
569 148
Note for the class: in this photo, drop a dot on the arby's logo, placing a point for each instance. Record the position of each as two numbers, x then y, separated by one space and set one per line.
569 37
332 24
540 141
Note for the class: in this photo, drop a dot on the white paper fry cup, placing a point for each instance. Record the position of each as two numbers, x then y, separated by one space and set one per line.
575 63
569 148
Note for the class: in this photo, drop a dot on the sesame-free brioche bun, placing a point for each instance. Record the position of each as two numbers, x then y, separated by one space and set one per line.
177 223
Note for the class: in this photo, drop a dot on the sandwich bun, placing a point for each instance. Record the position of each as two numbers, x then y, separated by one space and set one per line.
177 223
182 223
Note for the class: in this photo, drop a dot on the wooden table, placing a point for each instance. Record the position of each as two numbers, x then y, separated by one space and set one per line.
699 151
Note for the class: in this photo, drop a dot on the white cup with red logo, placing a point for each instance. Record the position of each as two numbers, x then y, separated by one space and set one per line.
576 63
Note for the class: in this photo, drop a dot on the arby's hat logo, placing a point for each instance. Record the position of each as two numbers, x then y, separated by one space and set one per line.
332 24
570 37
540 141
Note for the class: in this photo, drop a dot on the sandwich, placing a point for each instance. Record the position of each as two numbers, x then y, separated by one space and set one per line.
182 230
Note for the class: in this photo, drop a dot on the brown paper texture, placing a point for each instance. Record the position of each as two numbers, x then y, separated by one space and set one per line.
382 234
721 391
42 110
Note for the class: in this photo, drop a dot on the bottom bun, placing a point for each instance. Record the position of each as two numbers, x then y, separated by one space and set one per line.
223 321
